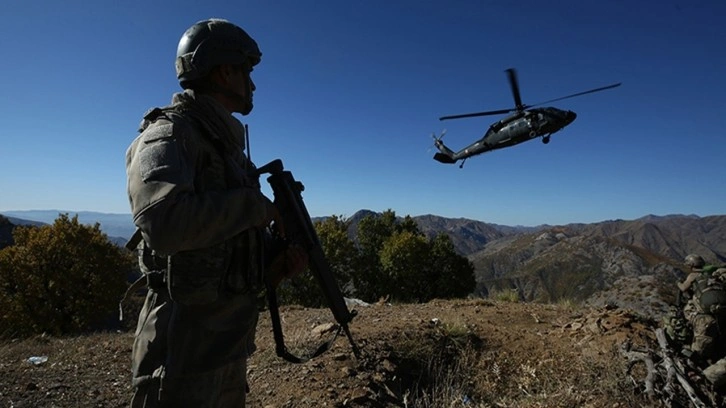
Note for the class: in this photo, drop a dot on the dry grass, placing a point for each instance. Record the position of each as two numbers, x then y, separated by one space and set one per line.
443 354
456 370
507 295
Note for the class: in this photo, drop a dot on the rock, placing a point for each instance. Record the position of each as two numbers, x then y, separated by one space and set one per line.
321 329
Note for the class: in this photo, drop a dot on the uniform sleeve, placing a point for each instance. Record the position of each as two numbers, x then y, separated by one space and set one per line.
160 167
686 285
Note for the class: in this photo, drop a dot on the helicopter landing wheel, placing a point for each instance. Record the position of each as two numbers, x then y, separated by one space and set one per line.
546 139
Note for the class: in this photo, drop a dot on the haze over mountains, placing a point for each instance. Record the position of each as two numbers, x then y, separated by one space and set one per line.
114 225
634 263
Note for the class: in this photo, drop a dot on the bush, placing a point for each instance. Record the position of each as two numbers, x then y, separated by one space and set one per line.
391 258
341 256
60 279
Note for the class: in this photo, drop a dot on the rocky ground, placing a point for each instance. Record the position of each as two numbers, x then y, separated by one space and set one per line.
460 353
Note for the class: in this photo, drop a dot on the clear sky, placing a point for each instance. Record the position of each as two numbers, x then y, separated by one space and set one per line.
349 93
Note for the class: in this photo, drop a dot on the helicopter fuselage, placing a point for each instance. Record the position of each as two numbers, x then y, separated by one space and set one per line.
514 129
524 123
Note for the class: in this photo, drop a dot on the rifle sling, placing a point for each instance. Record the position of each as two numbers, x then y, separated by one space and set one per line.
280 348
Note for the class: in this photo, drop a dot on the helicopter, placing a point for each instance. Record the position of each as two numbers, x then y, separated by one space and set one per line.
524 123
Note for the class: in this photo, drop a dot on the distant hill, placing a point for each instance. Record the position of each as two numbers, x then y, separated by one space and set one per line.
119 227
468 236
7 225
631 263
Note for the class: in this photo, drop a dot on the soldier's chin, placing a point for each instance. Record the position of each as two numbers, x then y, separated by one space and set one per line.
246 109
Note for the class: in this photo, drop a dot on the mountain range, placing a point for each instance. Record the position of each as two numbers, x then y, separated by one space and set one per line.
633 263
628 263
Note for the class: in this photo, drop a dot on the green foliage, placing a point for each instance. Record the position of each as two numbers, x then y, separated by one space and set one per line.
372 232
400 261
60 279
392 258
340 251
454 273
342 256
405 261
507 295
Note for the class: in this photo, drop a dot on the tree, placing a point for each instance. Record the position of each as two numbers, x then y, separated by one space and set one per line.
398 260
405 259
342 257
372 233
392 257
340 251
419 270
453 274
60 279
374 230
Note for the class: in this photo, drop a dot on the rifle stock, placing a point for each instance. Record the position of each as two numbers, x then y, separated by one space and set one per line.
299 229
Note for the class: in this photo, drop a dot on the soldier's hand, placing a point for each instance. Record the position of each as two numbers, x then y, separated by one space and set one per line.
273 216
296 260
288 264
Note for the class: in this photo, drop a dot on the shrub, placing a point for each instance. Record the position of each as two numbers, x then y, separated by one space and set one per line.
508 295
391 258
60 279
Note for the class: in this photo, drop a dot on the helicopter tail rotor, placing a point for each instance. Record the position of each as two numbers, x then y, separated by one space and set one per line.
437 140
445 155
441 136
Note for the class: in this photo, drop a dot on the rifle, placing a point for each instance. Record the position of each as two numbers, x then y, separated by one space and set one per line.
299 229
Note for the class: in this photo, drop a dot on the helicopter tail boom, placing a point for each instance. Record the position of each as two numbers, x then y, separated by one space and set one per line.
445 154
444 158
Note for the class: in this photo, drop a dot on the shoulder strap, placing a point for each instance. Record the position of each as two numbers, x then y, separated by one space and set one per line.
280 348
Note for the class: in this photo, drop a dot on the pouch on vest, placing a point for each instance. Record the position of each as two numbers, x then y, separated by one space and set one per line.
195 277
247 263
152 266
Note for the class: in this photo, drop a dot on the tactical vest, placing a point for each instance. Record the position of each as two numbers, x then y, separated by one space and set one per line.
204 275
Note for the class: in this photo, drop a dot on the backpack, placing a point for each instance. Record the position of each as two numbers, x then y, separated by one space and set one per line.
710 290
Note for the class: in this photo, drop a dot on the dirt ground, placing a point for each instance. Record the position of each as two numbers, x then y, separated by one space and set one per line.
468 353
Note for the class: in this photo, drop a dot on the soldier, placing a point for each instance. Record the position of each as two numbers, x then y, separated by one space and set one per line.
704 310
196 199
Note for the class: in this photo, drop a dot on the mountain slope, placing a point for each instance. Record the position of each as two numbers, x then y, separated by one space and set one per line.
561 264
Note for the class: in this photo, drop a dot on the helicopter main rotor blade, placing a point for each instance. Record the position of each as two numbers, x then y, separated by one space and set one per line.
577 94
514 84
471 115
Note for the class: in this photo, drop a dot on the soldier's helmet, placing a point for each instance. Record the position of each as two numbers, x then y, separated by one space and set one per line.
210 43
695 261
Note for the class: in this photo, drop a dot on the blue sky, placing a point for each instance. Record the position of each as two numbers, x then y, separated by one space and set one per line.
349 93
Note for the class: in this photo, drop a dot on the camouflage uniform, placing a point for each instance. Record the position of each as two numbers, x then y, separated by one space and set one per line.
716 373
195 199
705 311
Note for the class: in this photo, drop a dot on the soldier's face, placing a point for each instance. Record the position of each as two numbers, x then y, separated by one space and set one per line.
241 84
